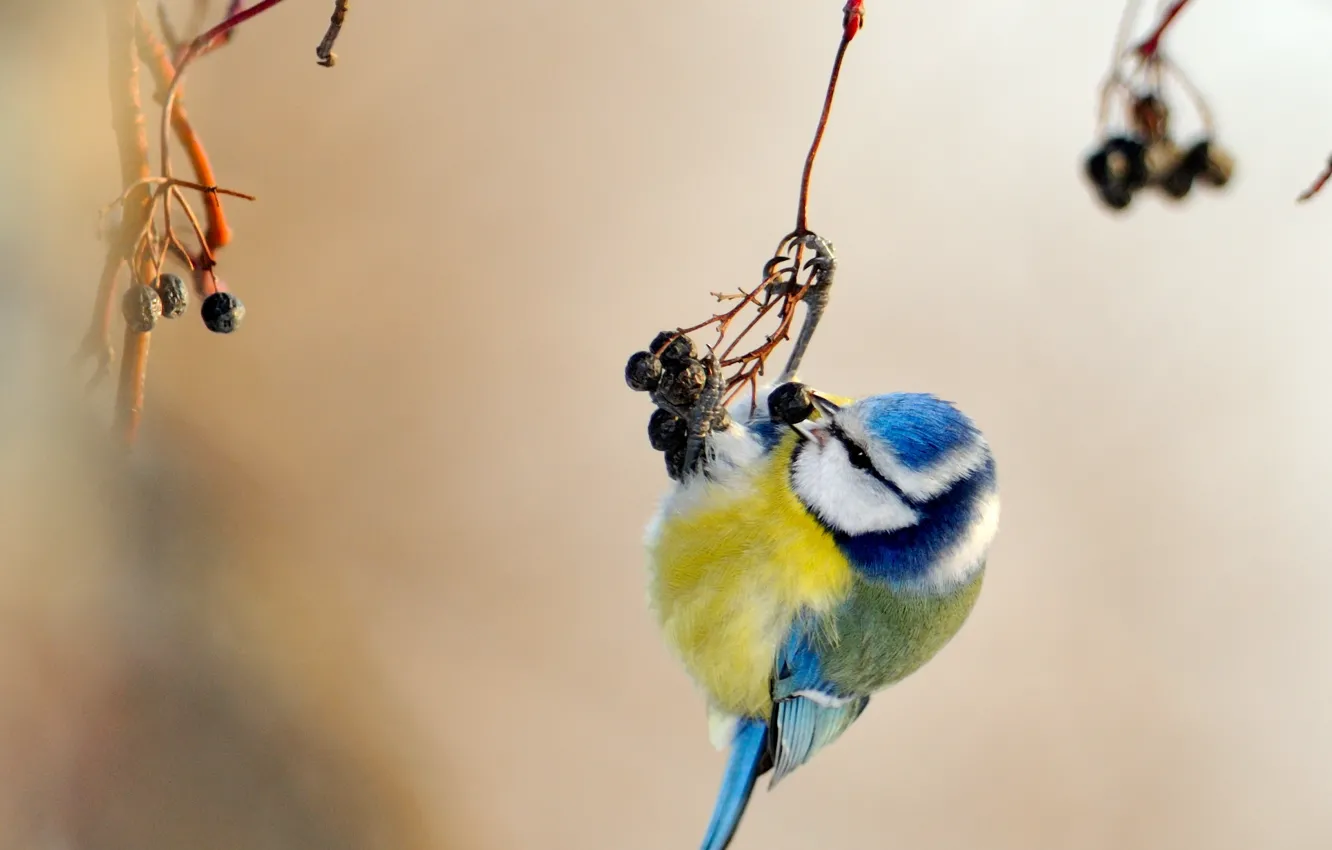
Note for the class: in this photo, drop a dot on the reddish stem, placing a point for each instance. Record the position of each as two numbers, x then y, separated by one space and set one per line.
232 21
126 114
1150 45
1318 184
853 19
133 377
219 233
127 118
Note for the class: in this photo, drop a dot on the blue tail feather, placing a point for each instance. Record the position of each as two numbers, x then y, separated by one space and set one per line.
749 758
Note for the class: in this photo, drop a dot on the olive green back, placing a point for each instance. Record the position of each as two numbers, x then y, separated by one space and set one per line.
880 637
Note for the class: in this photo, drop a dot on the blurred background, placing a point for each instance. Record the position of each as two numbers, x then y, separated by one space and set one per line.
374 578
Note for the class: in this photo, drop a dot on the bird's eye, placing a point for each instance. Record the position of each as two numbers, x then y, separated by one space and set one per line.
857 456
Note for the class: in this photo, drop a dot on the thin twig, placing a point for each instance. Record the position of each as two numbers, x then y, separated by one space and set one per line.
191 51
175 181
1318 184
155 55
1115 79
853 18
324 52
782 284
1148 47
132 142
1191 91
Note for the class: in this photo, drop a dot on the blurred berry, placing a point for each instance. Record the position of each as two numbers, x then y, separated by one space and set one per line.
142 308
1151 117
222 312
675 461
1178 182
175 297
679 350
1197 157
1115 197
683 383
790 403
1127 161
1220 166
667 431
643 372
1161 160
1117 169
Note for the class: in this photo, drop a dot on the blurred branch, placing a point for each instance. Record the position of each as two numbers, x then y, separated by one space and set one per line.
1318 184
154 53
132 142
324 51
1148 47
138 242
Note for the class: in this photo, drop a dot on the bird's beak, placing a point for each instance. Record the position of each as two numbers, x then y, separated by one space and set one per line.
825 406
812 433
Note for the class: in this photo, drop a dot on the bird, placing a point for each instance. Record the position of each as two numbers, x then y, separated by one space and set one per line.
806 565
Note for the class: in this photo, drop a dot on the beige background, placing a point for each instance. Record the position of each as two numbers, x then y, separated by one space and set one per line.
376 579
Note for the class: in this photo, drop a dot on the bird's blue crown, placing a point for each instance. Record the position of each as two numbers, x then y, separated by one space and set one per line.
920 428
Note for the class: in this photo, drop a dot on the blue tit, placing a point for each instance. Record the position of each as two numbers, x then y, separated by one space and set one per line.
802 568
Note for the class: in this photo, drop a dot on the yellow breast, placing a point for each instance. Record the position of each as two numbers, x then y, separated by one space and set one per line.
731 566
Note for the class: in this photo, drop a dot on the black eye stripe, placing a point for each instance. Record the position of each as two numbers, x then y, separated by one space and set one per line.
855 454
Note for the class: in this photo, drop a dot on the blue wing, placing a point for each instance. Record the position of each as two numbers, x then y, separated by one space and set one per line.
809 712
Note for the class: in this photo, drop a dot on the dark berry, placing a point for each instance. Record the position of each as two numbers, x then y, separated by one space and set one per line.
222 312
790 403
667 431
1178 181
1195 159
142 307
175 297
675 461
1116 196
643 372
683 384
676 350
1121 162
1128 161
1097 167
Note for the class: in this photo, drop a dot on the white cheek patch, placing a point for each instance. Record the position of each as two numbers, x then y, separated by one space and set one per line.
957 566
919 485
844 497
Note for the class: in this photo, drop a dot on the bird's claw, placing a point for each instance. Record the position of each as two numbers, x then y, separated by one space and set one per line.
819 267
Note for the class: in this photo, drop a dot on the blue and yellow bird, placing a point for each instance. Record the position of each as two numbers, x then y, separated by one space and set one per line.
802 568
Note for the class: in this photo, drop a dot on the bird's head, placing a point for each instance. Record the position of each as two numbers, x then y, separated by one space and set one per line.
904 471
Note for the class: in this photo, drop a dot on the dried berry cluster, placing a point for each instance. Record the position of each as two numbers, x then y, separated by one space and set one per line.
1146 156
678 381
139 227
690 392
167 298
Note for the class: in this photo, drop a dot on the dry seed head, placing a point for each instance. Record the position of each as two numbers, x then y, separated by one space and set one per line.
142 307
175 296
